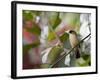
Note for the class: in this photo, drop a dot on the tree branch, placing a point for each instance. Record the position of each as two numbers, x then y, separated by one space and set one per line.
52 65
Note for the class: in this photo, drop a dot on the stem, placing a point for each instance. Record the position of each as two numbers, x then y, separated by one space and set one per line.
52 65
89 27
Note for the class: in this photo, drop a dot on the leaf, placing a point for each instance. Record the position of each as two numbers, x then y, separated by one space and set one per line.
45 65
64 37
82 62
65 40
27 47
35 29
54 54
30 15
57 22
27 15
51 36
85 56
54 19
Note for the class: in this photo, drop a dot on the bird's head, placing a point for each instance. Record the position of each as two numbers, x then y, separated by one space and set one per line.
70 32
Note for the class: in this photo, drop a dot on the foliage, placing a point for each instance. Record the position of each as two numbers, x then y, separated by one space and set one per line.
34 27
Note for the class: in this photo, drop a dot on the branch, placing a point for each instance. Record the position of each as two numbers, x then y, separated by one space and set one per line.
52 65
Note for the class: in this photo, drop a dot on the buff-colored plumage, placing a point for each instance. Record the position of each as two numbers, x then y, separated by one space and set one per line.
74 41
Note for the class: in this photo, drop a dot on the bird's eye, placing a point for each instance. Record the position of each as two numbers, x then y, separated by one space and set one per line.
70 31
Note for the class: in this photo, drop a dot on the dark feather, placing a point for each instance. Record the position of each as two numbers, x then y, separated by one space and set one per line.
77 53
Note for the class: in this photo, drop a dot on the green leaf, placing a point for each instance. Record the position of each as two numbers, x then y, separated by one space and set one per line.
54 19
27 15
81 62
35 29
57 21
45 65
30 15
85 56
64 37
54 54
51 36
27 47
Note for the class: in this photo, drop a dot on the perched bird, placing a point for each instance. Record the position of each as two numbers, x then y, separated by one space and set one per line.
73 38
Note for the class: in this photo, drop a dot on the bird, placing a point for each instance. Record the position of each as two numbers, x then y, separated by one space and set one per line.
74 41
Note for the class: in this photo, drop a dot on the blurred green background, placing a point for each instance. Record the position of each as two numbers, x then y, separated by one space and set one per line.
45 40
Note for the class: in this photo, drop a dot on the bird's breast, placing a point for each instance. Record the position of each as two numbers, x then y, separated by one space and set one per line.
73 40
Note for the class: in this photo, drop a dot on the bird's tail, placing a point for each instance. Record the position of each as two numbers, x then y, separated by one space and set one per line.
77 53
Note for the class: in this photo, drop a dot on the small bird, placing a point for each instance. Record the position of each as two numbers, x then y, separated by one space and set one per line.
73 38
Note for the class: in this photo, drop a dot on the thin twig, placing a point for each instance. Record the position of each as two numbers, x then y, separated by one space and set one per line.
52 65
89 26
